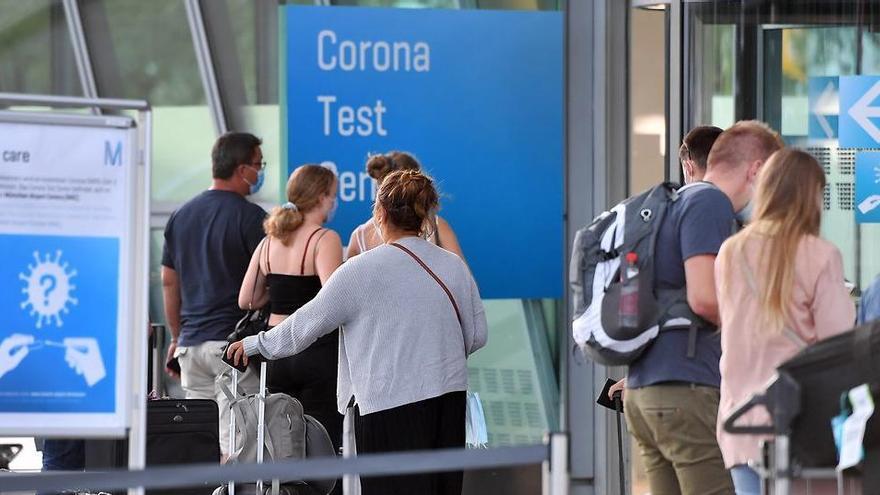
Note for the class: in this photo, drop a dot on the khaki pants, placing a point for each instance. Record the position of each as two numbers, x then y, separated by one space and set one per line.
674 427
201 371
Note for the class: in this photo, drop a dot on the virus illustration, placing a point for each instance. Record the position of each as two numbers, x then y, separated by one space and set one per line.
48 289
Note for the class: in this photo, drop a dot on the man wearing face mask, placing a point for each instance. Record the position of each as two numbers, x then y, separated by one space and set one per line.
672 395
208 245
694 152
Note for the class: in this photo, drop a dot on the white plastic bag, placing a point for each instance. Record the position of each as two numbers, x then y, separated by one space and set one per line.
476 432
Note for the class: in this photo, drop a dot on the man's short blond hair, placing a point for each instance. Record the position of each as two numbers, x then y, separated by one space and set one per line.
745 142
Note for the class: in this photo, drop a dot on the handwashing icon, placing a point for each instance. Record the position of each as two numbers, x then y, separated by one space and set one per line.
869 204
81 354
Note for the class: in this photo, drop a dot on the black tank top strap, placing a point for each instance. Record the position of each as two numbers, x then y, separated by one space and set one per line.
302 269
266 247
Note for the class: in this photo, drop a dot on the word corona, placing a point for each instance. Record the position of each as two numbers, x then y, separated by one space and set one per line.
379 56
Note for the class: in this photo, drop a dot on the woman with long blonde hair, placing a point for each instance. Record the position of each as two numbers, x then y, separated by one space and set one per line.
780 288
287 270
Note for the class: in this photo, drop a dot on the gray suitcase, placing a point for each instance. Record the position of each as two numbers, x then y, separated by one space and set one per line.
318 444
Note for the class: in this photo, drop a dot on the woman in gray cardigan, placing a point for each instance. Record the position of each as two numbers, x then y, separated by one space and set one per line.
410 314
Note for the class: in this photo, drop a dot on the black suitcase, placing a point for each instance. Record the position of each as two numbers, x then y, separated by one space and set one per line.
822 373
183 431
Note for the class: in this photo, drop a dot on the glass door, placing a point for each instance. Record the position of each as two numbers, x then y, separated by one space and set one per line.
782 62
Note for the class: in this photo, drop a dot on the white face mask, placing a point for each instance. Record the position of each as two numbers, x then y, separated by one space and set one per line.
331 213
684 173
744 215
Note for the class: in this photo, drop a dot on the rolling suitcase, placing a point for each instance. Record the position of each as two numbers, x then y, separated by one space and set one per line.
182 431
317 444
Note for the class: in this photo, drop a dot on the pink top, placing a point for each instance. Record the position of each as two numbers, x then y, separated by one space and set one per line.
820 307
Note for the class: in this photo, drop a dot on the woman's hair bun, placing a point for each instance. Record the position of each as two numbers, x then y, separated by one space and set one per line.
409 200
379 166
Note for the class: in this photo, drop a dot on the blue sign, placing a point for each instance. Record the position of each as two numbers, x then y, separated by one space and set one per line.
868 187
822 94
860 111
476 96
58 298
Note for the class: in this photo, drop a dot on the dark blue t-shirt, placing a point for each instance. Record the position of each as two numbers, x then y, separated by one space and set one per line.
209 242
696 224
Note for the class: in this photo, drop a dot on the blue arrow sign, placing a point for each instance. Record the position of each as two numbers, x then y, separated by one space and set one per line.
824 102
859 111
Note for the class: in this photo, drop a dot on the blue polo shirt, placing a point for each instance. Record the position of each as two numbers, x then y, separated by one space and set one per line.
209 242
697 224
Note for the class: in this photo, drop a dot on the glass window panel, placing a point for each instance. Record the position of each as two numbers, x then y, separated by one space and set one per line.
147 49
647 65
182 141
182 160
717 76
242 16
508 379
35 51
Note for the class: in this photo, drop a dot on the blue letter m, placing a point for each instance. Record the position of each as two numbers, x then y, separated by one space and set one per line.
113 157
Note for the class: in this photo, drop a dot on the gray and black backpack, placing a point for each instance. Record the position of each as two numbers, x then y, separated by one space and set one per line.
594 275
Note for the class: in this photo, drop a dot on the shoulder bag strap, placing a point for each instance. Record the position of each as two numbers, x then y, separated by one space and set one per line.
753 285
434 276
265 247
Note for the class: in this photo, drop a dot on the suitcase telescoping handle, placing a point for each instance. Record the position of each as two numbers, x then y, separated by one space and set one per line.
261 426
754 401
617 398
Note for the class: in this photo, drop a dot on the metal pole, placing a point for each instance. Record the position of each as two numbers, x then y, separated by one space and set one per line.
782 467
559 464
206 65
76 102
137 434
261 420
618 405
81 51
232 445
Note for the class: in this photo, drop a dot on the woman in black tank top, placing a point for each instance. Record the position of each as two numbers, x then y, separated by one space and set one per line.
286 272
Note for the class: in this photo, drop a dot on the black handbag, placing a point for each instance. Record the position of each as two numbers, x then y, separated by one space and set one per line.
254 321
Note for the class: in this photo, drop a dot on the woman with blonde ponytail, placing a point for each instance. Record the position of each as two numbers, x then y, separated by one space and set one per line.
780 288
287 270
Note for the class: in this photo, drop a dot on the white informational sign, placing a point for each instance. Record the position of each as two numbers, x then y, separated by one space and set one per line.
68 203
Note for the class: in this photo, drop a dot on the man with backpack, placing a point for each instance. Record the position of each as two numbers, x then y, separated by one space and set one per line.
673 352
672 399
